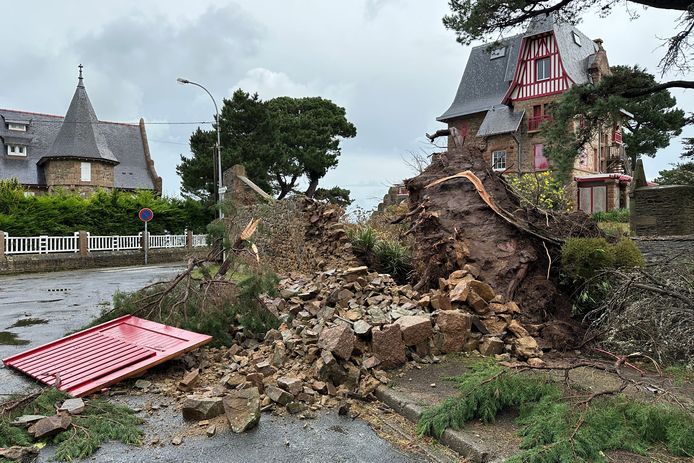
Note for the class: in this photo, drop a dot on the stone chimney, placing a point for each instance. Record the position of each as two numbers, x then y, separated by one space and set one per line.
600 66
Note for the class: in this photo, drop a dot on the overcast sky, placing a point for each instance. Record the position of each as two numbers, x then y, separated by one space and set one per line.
390 63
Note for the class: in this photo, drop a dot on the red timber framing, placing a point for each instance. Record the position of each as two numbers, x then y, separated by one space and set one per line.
525 84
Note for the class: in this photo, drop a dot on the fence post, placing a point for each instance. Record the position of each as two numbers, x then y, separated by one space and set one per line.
83 242
189 239
2 245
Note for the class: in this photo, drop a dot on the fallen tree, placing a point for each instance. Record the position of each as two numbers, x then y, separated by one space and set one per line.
462 213
650 310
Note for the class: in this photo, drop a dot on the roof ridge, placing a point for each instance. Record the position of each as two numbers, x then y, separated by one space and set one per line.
129 124
31 112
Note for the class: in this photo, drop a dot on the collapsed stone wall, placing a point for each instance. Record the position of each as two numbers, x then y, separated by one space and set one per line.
297 234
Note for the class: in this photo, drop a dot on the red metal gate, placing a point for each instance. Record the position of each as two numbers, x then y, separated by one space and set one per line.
98 357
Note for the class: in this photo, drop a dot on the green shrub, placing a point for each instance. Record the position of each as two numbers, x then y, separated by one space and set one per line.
627 254
393 257
583 258
363 238
615 215
541 189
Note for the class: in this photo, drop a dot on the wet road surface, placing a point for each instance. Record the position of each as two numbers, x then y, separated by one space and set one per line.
66 300
69 300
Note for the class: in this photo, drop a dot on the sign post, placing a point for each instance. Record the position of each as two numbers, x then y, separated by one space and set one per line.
146 215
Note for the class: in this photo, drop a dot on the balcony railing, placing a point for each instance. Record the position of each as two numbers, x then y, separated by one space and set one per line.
535 122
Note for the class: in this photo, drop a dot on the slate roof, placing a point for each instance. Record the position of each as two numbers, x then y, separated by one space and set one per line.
500 119
124 142
79 135
485 81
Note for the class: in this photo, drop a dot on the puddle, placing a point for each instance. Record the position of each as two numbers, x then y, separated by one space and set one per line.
10 339
27 322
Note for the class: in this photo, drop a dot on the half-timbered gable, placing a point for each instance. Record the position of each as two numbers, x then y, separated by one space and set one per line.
540 71
503 98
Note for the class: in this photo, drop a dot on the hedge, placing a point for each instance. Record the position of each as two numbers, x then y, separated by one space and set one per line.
103 213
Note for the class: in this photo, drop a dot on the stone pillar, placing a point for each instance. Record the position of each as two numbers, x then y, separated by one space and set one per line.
2 245
189 239
83 242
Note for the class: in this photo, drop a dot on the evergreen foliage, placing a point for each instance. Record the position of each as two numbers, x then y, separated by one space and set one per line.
103 213
100 421
585 110
394 257
335 195
213 318
555 430
681 174
278 141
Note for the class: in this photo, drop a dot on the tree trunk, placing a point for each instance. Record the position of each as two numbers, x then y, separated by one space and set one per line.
311 190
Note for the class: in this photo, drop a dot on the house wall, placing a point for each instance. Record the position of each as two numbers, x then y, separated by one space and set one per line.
63 173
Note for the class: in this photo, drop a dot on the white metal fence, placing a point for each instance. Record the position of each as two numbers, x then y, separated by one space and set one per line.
65 244
41 244
167 241
199 240
114 243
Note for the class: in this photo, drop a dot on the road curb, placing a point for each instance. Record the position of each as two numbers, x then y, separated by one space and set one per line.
456 440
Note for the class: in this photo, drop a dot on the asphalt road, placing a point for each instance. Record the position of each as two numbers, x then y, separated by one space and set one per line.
68 300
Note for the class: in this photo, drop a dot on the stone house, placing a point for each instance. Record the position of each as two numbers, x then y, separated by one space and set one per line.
502 101
77 152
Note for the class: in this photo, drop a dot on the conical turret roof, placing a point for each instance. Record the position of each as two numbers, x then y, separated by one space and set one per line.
80 135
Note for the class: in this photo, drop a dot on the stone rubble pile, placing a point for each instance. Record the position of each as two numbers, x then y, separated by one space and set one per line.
339 332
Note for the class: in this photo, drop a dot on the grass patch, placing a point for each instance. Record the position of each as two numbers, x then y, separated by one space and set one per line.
615 215
681 374
10 339
554 428
27 322
101 421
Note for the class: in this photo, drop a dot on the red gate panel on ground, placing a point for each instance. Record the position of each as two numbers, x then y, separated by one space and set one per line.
98 357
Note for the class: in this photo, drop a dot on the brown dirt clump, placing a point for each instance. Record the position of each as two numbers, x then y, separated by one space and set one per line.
452 226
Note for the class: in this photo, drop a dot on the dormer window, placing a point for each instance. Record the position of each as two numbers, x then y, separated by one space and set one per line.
15 127
542 70
499 52
577 38
16 150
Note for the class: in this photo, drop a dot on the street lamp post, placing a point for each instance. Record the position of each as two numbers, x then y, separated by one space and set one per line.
220 187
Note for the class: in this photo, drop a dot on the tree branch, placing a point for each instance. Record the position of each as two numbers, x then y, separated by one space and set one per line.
680 5
656 88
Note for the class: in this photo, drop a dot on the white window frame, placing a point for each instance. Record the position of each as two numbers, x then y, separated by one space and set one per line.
547 70
86 171
16 127
577 38
499 160
17 150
